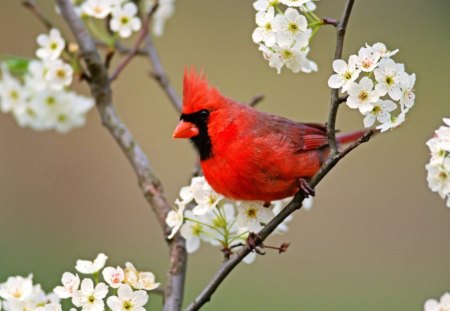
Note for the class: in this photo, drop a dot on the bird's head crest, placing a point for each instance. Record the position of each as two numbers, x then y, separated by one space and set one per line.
198 94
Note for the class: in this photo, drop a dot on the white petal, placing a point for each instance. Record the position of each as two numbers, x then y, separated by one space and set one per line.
369 120
339 66
335 81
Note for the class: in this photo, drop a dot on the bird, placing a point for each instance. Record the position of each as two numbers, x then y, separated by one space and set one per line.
247 154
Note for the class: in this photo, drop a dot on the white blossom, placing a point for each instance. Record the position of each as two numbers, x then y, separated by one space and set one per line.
17 288
12 93
97 8
362 95
90 267
291 28
138 279
439 177
70 283
127 300
175 218
264 32
124 20
206 199
191 231
389 76
381 111
394 122
407 95
442 305
165 10
58 74
252 215
51 45
345 74
90 298
264 5
381 49
113 276
367 59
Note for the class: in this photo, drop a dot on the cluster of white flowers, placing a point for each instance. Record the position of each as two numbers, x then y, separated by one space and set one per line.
442 305
219 221
19 293
382 83
284 37
439 166
39 98
128 285
122 14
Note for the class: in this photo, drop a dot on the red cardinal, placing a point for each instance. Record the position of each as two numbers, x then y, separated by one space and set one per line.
247 154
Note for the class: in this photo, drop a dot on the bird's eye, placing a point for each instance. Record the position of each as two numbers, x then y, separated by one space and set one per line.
204 113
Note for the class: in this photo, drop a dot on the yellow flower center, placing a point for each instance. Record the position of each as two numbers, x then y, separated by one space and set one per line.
389 80
197 229
14 95
50 101
363 96
251 213
62 118
293 27
91 299
347 75
286 54
60 73
127 305
53 45
376 110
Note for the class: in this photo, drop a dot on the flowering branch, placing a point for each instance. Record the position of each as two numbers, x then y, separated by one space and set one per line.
152 189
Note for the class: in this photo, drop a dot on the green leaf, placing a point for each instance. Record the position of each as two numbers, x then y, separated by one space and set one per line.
16 65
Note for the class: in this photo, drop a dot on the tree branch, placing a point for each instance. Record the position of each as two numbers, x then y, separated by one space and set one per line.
151 187
134 51
335 99
296 203
32 6
159 74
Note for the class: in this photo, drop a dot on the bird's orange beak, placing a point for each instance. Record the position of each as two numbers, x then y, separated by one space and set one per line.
185 130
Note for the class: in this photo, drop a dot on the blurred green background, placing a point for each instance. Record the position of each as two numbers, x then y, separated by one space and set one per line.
376 239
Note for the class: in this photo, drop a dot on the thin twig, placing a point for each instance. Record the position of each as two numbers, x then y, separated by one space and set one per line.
100 87
335 100
159 74
133 52
330 21
120 48
296 203
33 7
256 100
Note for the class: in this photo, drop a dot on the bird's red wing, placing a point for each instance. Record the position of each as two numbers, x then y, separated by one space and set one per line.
302 136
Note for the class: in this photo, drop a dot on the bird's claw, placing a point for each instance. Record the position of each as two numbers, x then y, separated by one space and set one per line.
306 188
